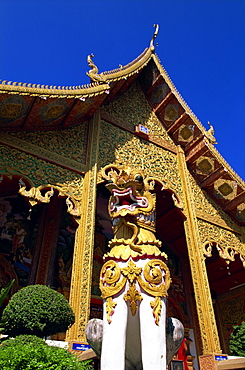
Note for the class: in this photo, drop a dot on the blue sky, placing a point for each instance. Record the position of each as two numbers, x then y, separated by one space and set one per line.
201 43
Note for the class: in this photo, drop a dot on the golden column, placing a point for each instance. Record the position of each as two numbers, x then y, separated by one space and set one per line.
206 318
80 292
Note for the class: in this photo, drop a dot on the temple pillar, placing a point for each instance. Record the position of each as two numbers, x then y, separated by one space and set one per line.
80 293
206 317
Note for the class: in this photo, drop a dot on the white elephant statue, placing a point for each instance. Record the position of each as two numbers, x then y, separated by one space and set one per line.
134 278
174 337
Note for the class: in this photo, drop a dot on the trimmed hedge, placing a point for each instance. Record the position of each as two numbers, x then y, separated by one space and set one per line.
237 340
37 310
30 352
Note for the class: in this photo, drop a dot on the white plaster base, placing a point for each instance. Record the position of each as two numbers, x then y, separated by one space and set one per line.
143 342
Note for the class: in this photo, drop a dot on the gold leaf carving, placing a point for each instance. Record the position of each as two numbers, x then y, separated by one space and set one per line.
206 208
35 196
156 306
131 272
110 305
133 296
32 167
156 283
157 278
228 243
109 279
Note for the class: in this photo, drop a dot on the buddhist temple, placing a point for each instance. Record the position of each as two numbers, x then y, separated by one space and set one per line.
57 141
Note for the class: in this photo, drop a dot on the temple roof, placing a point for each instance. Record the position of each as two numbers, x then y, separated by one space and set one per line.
30 107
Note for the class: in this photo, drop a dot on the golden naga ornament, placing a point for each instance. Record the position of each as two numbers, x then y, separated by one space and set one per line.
93 73
132 208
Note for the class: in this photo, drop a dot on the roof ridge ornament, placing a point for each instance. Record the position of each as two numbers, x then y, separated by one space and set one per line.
210 134
93 72
152 47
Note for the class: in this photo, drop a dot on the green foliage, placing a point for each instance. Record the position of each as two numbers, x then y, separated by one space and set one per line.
24 339
37 310
237 341
28 352
4 292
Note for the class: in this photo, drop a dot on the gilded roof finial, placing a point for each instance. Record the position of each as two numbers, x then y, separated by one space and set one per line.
93 72
210 134
154 36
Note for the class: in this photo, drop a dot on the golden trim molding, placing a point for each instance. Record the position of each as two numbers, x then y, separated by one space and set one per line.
81 279
207 322
51 91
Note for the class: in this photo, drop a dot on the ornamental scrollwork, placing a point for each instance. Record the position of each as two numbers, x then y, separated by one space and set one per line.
153 278
42 195
228 243
34 194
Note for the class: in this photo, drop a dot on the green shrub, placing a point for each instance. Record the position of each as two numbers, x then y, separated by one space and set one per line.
237 340
30 353
24 339
37 310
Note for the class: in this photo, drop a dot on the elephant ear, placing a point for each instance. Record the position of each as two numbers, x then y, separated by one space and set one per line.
94 334
174 337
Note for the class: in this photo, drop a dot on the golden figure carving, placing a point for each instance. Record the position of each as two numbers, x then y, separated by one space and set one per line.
210 134
131 208
93 72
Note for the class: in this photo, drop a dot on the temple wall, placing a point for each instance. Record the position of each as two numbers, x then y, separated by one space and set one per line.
133 108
